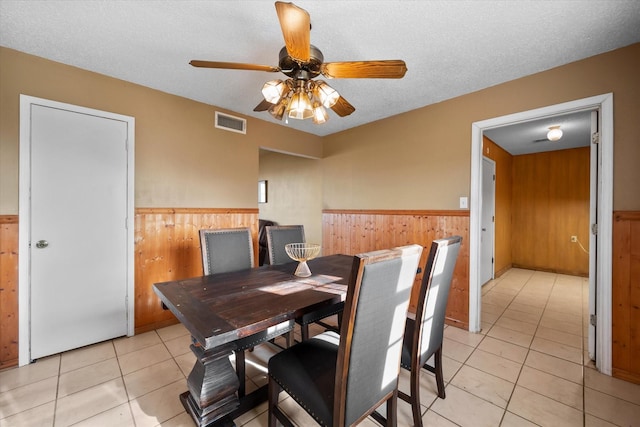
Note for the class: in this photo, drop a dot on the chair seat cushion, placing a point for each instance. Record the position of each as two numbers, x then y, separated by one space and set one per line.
264 336
306 371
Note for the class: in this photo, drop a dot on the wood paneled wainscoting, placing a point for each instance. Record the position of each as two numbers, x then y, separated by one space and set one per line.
167 247
626 296
8 290
354 231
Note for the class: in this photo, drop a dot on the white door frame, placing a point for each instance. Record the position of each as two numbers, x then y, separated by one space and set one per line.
24 297
605 214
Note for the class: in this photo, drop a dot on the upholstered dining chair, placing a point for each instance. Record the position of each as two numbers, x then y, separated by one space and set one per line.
341 379
227 250
277 237
423 334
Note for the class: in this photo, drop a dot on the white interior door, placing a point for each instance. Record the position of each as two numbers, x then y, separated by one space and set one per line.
487 235
78 229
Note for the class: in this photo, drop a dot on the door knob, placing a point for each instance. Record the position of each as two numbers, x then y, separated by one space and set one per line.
41 244
484 229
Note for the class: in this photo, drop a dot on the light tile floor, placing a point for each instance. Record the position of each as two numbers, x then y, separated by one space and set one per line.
528 367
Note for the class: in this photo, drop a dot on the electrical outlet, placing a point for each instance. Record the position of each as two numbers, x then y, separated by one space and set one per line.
574 239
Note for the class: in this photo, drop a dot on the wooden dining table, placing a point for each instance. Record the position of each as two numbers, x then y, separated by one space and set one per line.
219 309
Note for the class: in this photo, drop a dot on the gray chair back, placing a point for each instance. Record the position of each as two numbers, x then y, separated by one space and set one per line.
432 300
373 330
226 250
277 237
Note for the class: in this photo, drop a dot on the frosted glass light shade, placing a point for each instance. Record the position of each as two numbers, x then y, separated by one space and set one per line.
328 95
300 106
273 91
277 110
319 114
554 134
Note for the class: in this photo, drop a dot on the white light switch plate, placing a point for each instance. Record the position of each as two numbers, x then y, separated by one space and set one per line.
464 202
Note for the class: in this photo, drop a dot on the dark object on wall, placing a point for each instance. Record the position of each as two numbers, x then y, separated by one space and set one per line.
262 239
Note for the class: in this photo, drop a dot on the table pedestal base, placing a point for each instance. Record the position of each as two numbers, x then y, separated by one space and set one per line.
212 387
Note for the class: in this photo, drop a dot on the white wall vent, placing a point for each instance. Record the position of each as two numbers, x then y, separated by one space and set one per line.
230 123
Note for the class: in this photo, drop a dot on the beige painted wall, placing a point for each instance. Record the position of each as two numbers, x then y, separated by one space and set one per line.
416 160
295 186
182 160
422 159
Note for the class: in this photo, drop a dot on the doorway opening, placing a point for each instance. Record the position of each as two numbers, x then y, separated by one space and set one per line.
600 295
295 186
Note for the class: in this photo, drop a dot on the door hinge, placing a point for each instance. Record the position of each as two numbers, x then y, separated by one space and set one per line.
494 176
595 138
594 229
593 320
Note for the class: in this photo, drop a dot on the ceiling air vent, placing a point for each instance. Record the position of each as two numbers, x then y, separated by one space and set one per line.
231 123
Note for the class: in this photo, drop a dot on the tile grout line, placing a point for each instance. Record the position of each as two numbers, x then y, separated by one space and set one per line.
515 384
476 347
55 402
124 385
582 354
529 347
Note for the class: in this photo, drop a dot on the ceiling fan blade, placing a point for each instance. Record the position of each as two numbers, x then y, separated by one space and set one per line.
343 108
296 27
386 69
233 66
263 106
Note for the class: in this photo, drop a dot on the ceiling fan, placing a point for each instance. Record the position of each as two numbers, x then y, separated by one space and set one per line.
300 96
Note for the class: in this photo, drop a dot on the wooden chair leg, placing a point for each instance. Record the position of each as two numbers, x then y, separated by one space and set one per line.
392 409
275 414
415 397
438 372
304 330
240 371
274 392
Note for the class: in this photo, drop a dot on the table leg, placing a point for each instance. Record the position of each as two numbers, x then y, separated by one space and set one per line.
212 387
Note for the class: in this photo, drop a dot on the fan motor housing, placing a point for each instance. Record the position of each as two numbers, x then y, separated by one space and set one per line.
297 69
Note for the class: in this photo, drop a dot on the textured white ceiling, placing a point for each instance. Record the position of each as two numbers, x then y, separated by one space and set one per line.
531 137
451 47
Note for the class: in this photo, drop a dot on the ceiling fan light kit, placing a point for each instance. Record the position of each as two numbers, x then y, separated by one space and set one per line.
300 97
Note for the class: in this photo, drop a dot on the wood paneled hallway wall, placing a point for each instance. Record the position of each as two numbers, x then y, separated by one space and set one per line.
542 200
